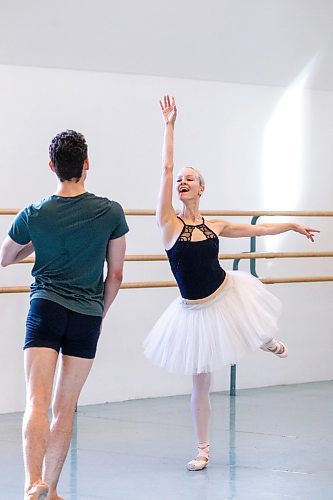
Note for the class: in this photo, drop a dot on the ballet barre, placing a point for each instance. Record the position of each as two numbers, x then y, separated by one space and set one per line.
219 213
222 256
173 284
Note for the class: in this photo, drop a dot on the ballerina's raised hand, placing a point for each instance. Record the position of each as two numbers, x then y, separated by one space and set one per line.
169 109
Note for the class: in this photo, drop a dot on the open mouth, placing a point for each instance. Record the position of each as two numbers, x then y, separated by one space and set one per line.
183 189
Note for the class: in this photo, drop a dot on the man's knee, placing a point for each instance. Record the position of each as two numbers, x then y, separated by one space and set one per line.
63 416
37 405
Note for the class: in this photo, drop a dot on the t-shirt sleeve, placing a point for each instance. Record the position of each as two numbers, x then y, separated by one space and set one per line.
19 230
120 226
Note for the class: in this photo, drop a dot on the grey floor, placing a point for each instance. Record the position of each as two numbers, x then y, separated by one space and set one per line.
271 444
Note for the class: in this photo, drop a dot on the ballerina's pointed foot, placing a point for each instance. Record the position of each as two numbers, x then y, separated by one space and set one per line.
276 347
202 459
37 491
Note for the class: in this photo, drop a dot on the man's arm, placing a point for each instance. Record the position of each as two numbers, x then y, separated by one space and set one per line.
114 277
12 252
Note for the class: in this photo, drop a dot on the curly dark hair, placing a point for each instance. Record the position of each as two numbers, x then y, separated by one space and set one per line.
68 150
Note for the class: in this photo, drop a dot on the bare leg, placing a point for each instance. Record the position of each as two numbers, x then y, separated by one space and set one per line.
39 363
201 410
72 375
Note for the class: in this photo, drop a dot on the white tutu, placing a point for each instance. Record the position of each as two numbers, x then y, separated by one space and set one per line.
201 337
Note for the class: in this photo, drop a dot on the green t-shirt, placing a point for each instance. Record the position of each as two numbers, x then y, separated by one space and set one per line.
70 236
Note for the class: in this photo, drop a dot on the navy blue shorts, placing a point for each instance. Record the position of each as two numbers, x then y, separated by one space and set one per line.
51 325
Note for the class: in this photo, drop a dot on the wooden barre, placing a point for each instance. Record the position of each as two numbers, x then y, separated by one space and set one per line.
241 213
296 279
168 284
274 255
236 213
222 256
268 281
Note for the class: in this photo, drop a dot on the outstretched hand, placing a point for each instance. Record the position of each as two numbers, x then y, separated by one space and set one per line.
169 109
307 231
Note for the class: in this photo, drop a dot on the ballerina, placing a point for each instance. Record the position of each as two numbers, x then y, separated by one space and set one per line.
219 316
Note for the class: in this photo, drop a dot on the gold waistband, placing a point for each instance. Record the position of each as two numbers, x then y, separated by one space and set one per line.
211 296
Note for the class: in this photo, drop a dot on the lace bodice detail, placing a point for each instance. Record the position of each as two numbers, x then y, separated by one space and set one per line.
195 264
187 231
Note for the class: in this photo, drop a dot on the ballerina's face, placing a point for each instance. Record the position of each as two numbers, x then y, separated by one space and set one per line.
189 184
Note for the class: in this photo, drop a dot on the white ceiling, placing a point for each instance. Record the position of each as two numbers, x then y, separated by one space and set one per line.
262 42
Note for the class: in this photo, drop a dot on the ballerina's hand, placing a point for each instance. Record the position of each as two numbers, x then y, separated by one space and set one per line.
307 231
169 109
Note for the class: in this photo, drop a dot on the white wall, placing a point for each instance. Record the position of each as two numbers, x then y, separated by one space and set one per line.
258 148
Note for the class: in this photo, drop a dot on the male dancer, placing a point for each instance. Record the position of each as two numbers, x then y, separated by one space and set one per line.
72 233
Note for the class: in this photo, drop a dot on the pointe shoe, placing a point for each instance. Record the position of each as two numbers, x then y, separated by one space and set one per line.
38 491
275 347
202 459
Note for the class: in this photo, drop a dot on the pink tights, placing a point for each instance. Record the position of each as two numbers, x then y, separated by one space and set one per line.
200 406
